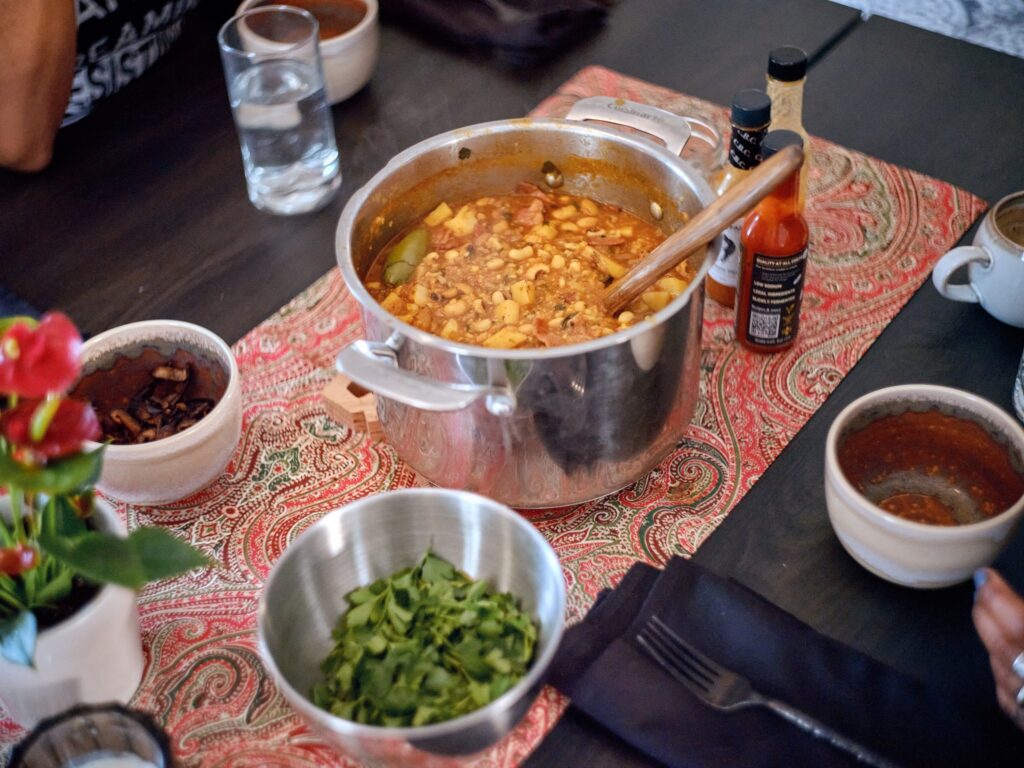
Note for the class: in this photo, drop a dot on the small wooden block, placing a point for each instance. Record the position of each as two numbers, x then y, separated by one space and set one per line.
353 406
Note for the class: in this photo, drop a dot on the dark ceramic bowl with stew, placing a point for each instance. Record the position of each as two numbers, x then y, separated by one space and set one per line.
924 484
168 395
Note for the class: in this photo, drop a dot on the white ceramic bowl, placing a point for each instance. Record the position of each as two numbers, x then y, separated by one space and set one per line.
372 538
899 550
173 467
348 59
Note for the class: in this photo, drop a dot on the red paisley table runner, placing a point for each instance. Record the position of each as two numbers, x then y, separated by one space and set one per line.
876 231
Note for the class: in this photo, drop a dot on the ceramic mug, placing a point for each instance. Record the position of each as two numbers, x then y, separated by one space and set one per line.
349 58
995 264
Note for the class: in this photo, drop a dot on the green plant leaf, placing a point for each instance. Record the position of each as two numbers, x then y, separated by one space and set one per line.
55 588
68 475
60 519
18 639
146 555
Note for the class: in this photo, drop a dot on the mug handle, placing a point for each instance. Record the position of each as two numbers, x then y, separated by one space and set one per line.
950 263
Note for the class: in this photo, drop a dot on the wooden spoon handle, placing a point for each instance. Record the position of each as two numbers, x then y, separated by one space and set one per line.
703 228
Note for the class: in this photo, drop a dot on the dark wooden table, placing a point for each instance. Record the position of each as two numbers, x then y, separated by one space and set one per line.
144 214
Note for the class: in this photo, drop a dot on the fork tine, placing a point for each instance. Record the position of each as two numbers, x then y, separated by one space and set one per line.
670 657
695 687
698 658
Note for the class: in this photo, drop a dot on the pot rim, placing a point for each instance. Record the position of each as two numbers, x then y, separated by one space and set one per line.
346 222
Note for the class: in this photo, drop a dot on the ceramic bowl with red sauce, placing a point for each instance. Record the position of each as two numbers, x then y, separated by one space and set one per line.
349 40
923 483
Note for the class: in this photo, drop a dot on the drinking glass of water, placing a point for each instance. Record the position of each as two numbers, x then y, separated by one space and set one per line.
276 88
95 736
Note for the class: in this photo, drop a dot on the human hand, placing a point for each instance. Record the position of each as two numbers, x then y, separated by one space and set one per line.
999 618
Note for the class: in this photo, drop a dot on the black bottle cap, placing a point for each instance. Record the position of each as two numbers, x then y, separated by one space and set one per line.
776 141
751 108
787 63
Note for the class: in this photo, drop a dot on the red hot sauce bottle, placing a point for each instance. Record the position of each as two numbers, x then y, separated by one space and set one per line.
771 281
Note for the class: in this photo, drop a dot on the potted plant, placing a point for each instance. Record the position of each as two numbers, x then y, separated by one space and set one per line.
68 622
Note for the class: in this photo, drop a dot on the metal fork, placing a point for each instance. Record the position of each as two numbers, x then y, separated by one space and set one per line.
726 690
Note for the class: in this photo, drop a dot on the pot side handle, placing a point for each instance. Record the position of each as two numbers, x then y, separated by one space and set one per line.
672 129
374 365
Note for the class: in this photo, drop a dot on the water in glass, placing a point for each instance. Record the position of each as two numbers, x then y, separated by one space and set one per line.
287 136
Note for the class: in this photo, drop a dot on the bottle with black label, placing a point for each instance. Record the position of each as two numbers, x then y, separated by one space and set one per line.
751 111
774 244
787 73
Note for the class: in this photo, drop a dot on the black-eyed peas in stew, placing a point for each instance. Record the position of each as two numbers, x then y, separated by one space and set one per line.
521 270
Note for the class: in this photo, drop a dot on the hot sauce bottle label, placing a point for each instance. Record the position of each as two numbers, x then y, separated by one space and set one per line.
745 146
726 269
776 288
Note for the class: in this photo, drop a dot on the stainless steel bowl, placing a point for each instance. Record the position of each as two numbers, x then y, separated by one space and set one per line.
374 537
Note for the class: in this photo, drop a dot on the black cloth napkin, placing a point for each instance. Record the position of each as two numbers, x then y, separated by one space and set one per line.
521 25
602 669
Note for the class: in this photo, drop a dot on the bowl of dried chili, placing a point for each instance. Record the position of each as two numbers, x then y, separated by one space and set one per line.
168 398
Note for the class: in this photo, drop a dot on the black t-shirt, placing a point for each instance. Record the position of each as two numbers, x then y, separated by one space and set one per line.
117 41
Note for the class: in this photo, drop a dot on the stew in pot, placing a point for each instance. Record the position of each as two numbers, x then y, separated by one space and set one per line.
521 270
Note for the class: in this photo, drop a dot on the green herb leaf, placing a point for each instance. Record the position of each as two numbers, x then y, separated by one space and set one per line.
70 475
18 639
360 596
358 617
436 569
425 645
147 554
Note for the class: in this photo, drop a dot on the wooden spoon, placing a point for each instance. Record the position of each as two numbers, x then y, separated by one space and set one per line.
703 228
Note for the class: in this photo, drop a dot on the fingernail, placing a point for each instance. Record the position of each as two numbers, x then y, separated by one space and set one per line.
980 577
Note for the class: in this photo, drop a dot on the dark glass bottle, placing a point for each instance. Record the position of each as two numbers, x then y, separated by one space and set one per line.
751 111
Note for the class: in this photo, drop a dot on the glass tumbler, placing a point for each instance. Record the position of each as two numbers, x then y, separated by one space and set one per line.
100 736
276 88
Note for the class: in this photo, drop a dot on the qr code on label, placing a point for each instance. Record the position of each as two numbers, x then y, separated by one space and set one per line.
763 326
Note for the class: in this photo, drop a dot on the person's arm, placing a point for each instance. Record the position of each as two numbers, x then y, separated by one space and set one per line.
37 64
999 618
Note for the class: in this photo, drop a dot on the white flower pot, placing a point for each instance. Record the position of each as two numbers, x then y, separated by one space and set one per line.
91 657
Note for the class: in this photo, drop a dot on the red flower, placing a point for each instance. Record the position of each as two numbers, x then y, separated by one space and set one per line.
37 361
17 559
73 423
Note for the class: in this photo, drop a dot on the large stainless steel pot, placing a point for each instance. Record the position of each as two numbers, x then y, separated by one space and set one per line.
530 427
